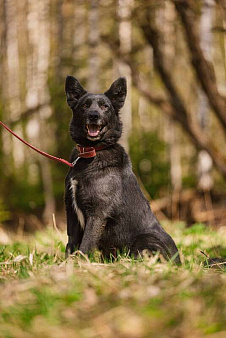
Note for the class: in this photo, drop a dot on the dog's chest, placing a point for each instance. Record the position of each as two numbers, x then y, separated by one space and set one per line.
80 215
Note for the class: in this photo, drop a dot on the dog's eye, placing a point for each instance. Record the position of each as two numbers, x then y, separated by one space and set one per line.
84 106
104 106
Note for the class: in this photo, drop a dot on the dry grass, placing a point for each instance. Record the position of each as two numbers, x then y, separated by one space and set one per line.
42 295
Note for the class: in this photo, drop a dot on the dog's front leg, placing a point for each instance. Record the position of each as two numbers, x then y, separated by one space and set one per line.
92 234
74 229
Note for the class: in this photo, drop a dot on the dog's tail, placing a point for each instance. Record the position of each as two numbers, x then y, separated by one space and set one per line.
156 242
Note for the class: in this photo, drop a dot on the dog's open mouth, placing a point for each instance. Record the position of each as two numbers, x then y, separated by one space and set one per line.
93 129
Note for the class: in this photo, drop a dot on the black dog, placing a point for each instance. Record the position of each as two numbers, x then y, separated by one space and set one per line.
105 206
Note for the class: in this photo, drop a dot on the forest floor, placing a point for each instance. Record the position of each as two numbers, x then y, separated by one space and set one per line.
44 295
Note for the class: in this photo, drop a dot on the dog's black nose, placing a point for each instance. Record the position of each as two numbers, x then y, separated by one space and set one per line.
93 116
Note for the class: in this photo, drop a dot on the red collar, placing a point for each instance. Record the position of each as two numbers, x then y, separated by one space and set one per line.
88 152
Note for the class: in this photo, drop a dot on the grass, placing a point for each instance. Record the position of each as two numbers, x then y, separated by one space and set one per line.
44 295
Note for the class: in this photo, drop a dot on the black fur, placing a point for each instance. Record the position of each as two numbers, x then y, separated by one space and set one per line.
104 189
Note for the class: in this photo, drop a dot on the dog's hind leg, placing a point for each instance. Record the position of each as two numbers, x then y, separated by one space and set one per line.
156 242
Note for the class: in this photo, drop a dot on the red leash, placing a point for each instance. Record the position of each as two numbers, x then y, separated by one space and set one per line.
36 149
84 152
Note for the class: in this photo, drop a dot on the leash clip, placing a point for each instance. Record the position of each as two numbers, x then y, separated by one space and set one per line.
75 161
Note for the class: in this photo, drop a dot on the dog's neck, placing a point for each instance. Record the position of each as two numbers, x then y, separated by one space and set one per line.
88 152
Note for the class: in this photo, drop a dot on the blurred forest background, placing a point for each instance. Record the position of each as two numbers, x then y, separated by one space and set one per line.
173 53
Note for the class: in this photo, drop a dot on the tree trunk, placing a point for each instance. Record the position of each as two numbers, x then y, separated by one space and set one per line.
168 30
93 79
12 83
204 160
37 93
125 32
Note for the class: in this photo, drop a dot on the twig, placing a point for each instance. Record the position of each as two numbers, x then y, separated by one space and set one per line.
202 252
55 227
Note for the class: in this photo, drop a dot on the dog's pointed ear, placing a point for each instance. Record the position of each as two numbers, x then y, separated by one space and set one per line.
74 91
117 93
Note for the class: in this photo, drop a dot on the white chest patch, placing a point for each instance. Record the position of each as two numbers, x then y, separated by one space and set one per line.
79 213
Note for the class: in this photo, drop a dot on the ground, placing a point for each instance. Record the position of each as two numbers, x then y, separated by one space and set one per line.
44 295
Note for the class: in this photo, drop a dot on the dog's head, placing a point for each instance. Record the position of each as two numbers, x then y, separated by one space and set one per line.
95 116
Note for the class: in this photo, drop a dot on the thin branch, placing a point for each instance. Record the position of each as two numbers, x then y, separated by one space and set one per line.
26 114
204 69
174 106
181 113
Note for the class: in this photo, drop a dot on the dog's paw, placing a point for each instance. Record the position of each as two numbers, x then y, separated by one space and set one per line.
70 248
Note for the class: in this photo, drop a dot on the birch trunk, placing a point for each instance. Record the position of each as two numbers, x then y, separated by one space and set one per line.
93 79
204 160
37 93
80 35
169 17
2 49
125 38
12 84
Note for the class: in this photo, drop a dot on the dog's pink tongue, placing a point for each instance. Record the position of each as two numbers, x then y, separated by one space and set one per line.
93 130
